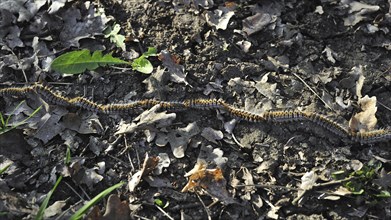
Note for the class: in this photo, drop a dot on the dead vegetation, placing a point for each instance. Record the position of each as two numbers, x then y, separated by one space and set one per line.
330 57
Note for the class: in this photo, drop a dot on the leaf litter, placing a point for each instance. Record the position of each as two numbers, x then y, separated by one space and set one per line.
267 159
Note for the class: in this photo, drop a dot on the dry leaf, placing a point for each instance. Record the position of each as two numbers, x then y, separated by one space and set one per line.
151 117
115 209
366 119
219 18
210 181
308 180
149 165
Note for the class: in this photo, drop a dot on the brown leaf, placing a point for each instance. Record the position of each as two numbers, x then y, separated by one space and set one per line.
211 181
149 165
115 209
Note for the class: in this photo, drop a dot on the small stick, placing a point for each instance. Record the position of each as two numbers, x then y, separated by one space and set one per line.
313 91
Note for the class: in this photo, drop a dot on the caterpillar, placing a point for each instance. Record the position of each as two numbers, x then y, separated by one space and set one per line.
285 116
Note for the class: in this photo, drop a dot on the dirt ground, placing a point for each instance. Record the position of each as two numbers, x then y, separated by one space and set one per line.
316 56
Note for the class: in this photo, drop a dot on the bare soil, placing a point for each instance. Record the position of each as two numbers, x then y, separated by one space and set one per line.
301 42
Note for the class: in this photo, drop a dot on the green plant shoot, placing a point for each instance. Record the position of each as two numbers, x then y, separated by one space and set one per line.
76 62
142 64
115 37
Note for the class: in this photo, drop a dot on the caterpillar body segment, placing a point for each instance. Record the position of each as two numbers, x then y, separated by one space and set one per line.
370 137
242 114
16 91
49 96
285 116
328 124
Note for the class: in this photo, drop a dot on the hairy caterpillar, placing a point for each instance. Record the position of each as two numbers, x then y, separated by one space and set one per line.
286 116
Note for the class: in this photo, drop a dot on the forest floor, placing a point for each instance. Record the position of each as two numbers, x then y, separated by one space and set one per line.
326 57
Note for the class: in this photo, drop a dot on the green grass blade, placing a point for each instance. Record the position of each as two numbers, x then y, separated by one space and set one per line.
75 62
5 168
26 119
45 203
68 156
2 120
5 129
79 214
13 111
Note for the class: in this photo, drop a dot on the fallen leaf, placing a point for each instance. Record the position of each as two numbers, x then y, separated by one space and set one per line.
180 138
116 209
210 180
265 88
50 125
257 22
357 10
16 7
384 180
212 135
212 156
164 161
330 55
308 180
56 5
219 18
77 27
149 165
148 118
54 209
366 119
249 182
91 178
176 71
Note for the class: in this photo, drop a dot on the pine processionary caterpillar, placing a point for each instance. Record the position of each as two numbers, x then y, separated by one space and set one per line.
285 116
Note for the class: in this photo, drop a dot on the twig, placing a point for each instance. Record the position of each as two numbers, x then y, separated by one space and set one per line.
236 141
141 217
68 209
74 190
85 193
383 105
164 212
313 91
266 186
203 204
127 165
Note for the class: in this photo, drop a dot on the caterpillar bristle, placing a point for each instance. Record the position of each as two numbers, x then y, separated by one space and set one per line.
284 116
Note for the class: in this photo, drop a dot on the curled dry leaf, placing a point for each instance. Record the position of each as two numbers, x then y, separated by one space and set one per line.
148 118
219 18
54 209
164 161
267 89
212 135
308 180
181 138
210 181
149 165
366 119
257 22
249 182
212 156
177 71
357 11
115 209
